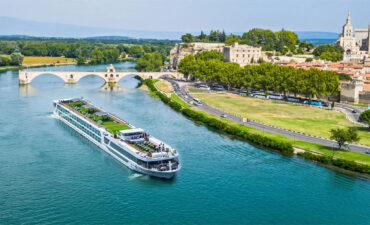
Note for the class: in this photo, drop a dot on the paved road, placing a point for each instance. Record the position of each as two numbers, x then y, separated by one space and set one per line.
352 112
181 91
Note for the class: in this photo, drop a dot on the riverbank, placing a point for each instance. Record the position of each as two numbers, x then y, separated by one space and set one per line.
346 160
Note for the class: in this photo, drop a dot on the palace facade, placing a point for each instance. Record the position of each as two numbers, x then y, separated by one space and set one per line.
355 42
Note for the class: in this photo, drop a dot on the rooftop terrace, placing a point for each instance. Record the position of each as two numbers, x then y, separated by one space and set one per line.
111 123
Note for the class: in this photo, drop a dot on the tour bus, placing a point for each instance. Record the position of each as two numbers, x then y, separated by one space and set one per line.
197 101
294 99
313 102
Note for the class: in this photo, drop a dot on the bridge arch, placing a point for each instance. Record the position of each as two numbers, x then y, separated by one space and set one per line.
46 73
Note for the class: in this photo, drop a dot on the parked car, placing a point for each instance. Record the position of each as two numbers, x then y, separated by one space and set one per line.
263 96
204 87
354 111
218 87
277 97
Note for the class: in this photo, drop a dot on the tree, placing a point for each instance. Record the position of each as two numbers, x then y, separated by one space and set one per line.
327 48
208 55
331 56
343 136
150 62
135 51
96 56
5 60
260 37
111 55
365 117
213 36
81 60
16 58
229 73
309 59
187 38
188 65
286 39
202 36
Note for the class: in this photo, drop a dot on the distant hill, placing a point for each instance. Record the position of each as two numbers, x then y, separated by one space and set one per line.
109 38
20 27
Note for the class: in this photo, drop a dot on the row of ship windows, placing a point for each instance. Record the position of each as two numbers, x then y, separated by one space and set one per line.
96 131
84 129
123 152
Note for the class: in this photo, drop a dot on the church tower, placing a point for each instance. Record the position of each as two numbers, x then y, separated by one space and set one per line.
348 27
347 40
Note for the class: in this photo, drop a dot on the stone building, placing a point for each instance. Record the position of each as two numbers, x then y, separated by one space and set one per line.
355 42
243 54
183 49
354 92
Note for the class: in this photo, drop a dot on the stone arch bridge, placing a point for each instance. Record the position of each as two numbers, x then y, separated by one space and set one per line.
110 76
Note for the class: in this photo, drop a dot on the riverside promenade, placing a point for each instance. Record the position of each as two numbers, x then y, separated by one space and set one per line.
181 91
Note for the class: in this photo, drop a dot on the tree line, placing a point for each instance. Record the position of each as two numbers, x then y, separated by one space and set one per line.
282 42
93 52
210 67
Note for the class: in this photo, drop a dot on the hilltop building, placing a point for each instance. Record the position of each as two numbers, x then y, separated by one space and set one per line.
355 42
239 53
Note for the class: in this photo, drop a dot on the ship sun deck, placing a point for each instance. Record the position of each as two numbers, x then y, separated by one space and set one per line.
97 116
121 132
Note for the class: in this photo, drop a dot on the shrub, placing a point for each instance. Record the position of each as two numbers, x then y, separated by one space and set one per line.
341 163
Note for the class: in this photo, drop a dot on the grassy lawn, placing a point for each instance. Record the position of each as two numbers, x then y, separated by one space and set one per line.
164 86
177 99
197 90
36 60
361 105
304 119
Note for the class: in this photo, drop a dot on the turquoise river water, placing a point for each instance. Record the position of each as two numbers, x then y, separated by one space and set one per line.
51 175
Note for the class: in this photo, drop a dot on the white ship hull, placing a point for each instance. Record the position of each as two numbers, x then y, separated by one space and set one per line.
120 157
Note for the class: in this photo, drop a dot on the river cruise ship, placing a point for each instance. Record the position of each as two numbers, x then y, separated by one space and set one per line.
131 146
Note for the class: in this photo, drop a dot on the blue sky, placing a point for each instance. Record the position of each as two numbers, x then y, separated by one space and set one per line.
194 15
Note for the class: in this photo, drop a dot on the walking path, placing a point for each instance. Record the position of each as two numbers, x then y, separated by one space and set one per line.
182 92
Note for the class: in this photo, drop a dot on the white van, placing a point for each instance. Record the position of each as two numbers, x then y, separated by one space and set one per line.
197 101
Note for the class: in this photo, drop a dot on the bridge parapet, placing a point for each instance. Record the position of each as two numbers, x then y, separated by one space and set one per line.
110 76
